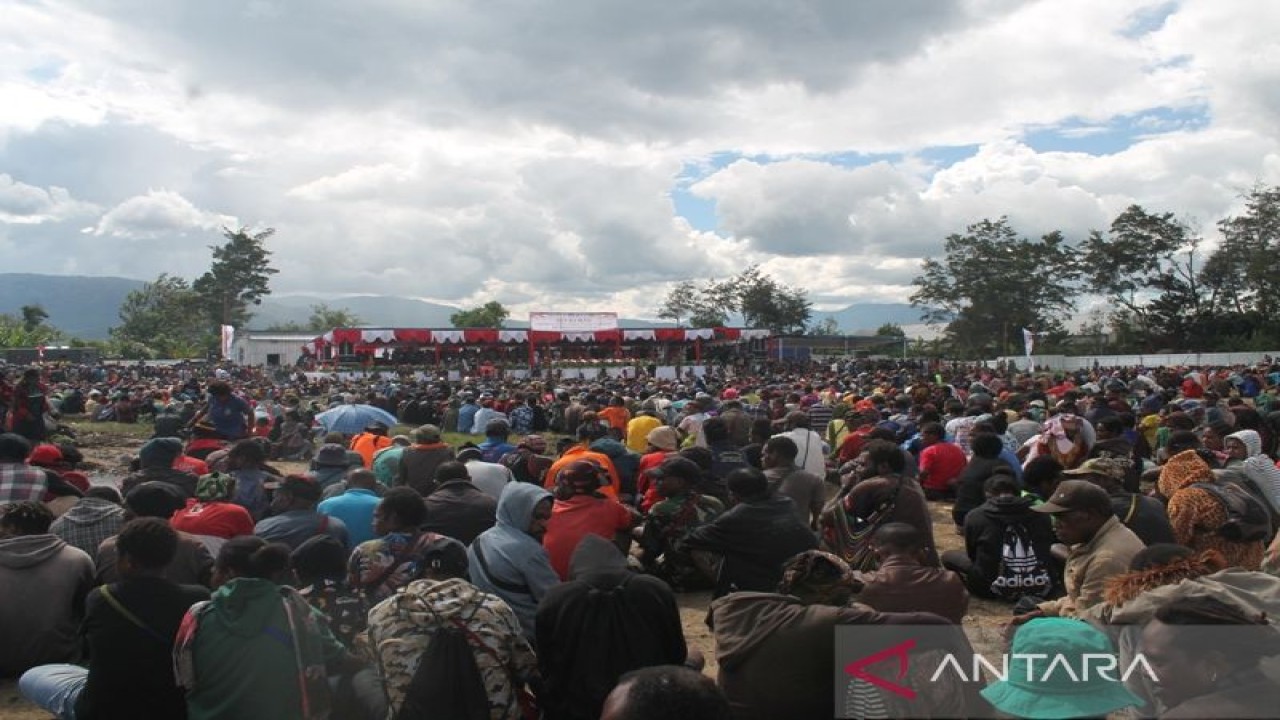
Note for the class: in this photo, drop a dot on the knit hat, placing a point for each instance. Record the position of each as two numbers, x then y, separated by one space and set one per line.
1058 690
160 452
1249 438
1183 469
214 486
663 438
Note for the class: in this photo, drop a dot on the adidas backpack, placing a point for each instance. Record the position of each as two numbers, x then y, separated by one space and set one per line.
1021 571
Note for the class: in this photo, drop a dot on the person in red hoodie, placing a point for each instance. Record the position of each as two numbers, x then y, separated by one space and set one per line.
211 513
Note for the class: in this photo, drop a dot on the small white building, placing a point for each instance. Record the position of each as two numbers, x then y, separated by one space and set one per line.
269 349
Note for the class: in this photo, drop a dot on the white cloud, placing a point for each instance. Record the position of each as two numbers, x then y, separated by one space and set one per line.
528 151
23 204
158 214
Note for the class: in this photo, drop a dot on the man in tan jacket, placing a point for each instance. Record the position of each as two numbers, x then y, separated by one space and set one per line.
1100 547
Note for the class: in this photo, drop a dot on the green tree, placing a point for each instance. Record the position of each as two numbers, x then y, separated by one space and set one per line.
1131 265
490 315
1241 278
33 317
162 319
764 302
827 326
991 283
14 332
891 330
240 276
325 318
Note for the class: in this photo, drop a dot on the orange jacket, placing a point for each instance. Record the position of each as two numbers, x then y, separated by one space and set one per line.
367 444
579 452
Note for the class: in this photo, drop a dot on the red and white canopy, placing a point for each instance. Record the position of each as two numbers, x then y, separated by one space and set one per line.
488 336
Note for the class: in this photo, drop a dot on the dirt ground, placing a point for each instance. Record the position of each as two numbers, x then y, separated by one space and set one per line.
106 455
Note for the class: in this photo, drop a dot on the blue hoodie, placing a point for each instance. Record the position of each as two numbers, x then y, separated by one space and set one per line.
521 570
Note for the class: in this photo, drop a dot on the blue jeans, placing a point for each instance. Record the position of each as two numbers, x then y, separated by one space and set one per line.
54 688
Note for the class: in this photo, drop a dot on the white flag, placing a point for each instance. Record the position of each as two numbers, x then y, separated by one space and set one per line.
1029 344
228 337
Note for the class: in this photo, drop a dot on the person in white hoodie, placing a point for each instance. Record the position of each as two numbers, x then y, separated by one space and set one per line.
43 585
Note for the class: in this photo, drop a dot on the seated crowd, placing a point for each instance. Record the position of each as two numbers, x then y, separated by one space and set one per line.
405 576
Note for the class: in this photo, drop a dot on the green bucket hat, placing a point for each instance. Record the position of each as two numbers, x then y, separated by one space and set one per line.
1056 694
214 486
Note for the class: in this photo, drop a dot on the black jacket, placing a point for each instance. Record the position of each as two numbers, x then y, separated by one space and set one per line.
984 537
755 538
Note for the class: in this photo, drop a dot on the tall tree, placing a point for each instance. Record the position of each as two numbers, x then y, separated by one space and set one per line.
160 319
825 327
1132 265
324 318
991 283
761 300
239 277
490 315
1242 276
681 302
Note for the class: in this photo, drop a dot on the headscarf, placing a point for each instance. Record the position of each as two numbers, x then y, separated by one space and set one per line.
1182 470
1258 467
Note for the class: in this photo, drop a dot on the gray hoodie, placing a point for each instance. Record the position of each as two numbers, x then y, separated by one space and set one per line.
43 584
516 567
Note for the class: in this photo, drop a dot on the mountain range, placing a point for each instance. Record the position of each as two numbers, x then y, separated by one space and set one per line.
87 307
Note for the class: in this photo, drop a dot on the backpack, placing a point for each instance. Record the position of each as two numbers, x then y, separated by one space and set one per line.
1021 572
1247 518
447 682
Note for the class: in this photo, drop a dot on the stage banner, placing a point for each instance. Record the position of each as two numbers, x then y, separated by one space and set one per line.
572 321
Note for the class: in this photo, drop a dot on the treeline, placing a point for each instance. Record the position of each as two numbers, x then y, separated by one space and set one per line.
1162 289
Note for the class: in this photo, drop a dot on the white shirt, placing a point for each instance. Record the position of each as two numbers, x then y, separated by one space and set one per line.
812 451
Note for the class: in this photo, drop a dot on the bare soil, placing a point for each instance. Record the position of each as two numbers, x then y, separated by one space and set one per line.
107 450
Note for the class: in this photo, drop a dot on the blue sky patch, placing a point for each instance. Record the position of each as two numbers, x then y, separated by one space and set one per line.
1118 134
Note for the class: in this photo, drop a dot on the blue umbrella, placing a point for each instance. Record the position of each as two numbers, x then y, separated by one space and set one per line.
351 419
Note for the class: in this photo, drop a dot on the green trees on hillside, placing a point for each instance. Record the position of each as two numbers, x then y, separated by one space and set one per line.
1162 291
762 301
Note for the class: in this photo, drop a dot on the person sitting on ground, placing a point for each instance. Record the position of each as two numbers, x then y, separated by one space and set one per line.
19 482
941 462
508 560
902 583
528 462
1059 693
330 465
602 599
155 464
669 522
580 510
811 451
752 539
588 433
1144 515
386 462
43 584
381 566
1007 546
808 492
1244 452
128 630
211 516
774 649
639 427
320 567
876 493
984 463
192 562
1100 547
457 508
355 505
662 444
1161 574
666 692
489 477
94 518
495 443
403 627
369 442
1197 515
257 649
295 519
419 461
1206 654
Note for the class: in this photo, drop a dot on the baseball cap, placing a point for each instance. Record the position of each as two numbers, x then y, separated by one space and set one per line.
1075 495
1114 468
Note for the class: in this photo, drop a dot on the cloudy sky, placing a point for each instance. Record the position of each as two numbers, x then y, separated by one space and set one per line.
585 154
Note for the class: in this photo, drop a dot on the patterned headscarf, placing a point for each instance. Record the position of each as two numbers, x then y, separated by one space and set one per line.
820 577
214 486
1183 469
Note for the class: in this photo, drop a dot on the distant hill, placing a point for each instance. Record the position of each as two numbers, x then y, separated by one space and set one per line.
83 307
87 307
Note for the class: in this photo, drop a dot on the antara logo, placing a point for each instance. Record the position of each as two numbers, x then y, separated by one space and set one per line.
1031 667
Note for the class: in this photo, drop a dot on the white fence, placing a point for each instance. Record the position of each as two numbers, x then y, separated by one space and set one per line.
1088 362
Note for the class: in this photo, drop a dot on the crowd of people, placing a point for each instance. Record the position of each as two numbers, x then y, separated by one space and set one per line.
515 549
